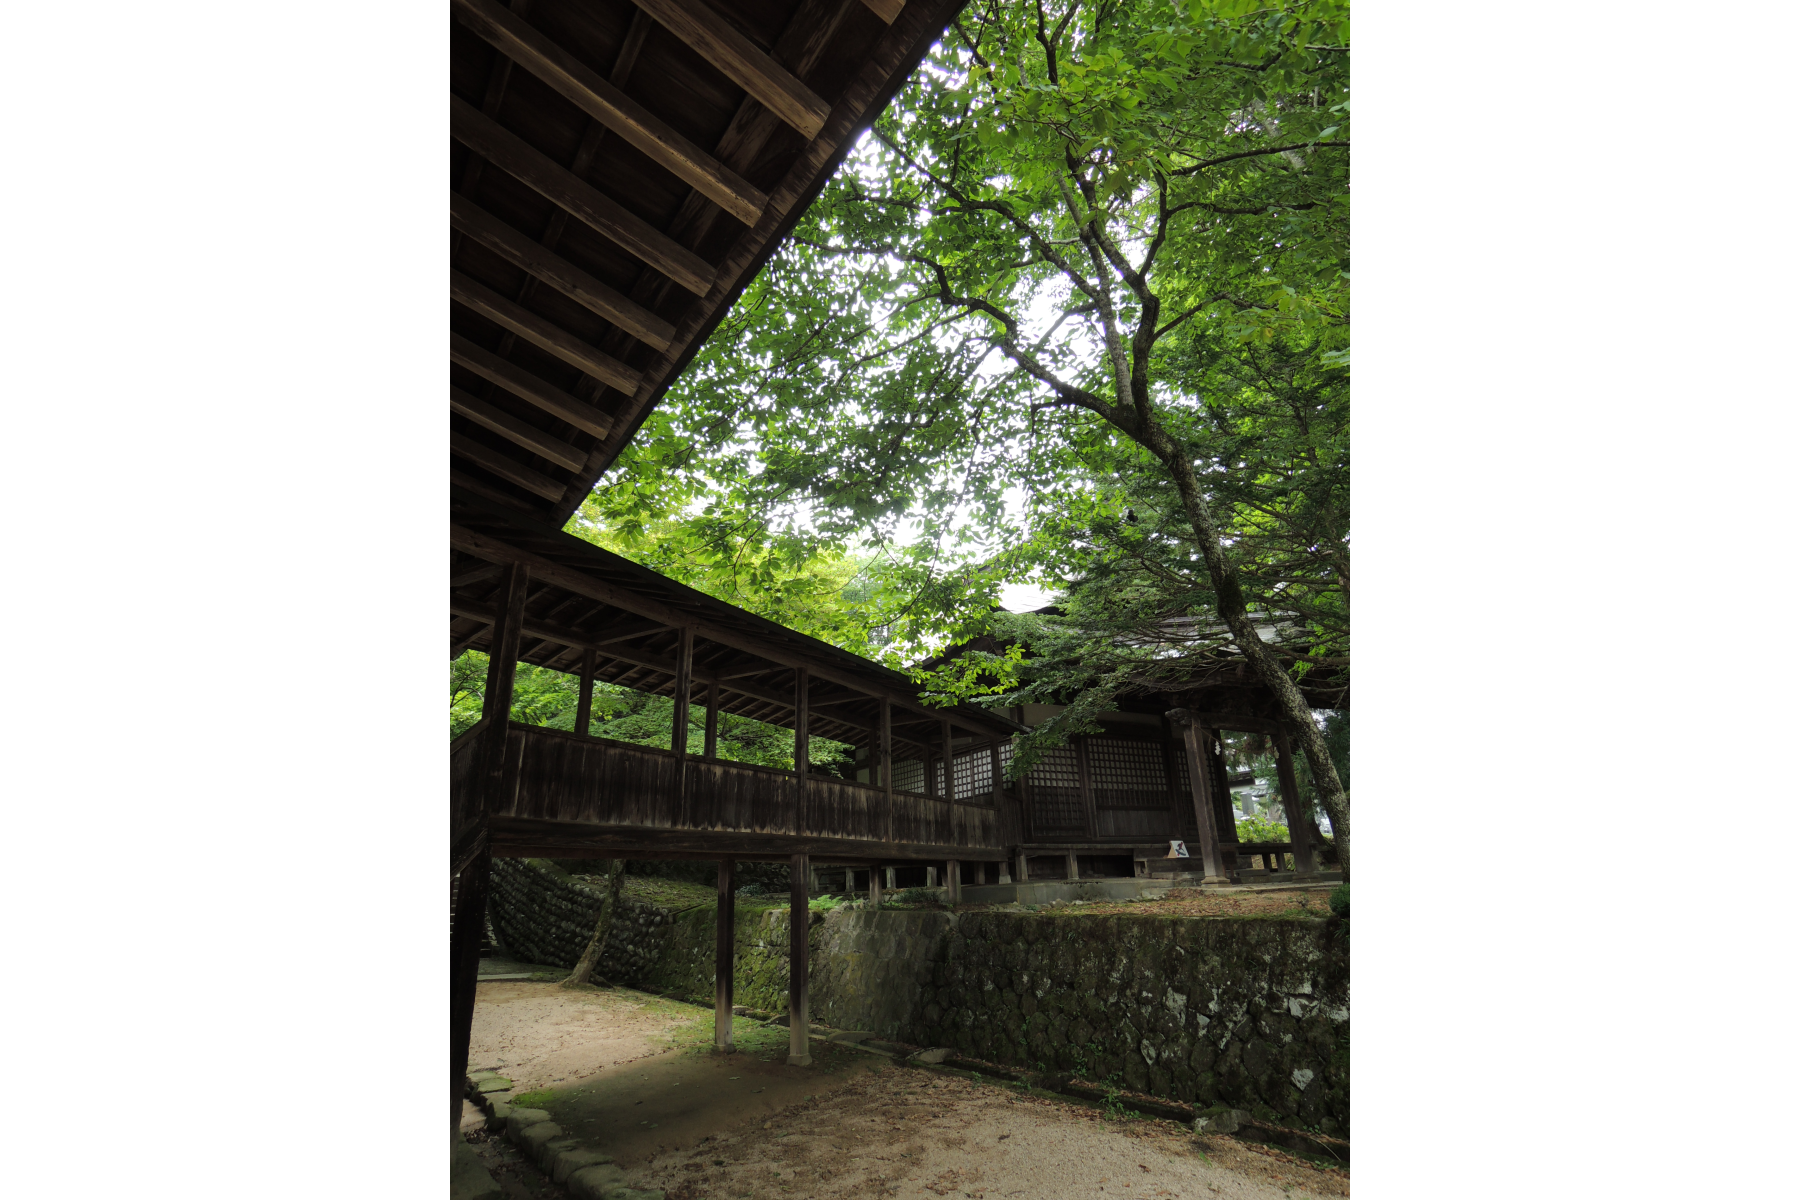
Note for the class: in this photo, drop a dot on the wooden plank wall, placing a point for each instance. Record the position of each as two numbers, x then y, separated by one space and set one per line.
558 776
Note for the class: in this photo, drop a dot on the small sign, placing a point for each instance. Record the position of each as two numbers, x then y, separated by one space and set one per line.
1178 850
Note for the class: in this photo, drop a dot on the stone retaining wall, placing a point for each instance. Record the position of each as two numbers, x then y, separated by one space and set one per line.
542 914
1251 1013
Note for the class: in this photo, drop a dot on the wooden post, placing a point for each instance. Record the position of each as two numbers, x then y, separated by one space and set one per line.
884 754
953 882
887 874
724 955
931 874
684 690
799 925
1200 784
712 720
994 772
802 749
584 704
496 699
1227 817
875 874
1021 868
465 963
1071 868
1306 860
949 764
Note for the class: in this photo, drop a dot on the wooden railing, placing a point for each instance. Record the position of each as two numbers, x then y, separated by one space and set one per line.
566 778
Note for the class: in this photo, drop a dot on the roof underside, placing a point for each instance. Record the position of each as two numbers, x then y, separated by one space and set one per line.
619 172
583 599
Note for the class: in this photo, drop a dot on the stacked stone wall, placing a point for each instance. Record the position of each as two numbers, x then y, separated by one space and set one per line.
542 914
1252 1013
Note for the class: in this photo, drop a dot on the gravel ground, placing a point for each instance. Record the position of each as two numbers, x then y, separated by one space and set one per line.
850 1127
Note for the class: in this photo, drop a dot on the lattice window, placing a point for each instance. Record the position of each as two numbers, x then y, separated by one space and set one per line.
1055 783
975 775
909 775
1127 774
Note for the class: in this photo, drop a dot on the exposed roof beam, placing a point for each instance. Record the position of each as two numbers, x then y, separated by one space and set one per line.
474 575
546 336
547 631
887 10
515 430
531 256
611 107
494 549
463 479
517 473
586 204
720 44
528 387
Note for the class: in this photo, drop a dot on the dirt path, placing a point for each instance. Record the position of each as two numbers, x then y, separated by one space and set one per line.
634 1075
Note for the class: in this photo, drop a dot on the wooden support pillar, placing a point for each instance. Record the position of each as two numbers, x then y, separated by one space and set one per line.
1021 868
724 955
584 703
712 721
465 963
496 698
799 925
1200 781
884 752
999 793
887 875
802 750
931 874
949 763
1306 861
875 874
684 690
1071 868
953 882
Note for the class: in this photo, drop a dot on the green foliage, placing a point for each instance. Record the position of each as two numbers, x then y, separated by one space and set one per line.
1087 241
1340 901
548 699
1257 829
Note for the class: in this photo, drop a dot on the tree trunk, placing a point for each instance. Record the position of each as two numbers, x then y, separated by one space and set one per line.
1234 613
590 958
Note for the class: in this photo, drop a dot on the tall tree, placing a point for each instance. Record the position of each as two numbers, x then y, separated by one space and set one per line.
1086 231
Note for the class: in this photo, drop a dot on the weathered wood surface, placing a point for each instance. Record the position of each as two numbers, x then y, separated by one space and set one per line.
555 776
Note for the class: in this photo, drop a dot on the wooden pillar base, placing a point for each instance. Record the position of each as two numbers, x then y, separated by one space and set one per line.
799 926
724 956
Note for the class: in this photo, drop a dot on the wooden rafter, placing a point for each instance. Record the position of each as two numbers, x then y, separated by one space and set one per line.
585 203
531 256
743 63
515 430
612 107
513 472
545 335
528 387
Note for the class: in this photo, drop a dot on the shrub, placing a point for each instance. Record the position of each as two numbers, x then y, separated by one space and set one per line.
1340 901
915 895
1260 829
753 889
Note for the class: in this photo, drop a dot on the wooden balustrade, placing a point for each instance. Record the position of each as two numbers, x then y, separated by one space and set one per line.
590 788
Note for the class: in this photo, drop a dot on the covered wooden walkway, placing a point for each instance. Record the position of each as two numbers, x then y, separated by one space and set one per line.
620 170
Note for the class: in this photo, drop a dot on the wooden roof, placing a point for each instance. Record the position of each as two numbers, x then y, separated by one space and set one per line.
582 598
620 170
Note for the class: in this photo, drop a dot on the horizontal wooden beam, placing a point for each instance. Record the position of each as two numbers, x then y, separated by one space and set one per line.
481 487
512 154
720 44
544 570
515 430
534 258
467 447
887 10
642 658
545 335
528 387
474 575
606 104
